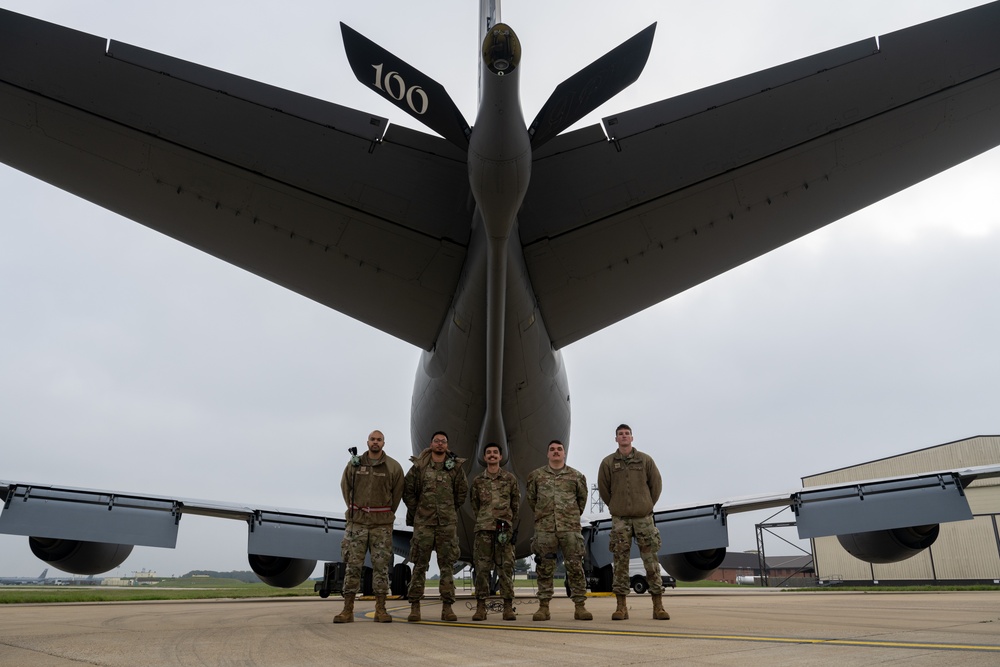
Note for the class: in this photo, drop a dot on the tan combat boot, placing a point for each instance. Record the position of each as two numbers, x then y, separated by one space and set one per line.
347 615
508 611
621 613
446 613
659 613
543 611
581 613
480 614
414 612
381 615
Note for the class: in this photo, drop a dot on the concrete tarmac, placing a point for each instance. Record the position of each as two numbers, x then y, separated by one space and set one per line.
707 627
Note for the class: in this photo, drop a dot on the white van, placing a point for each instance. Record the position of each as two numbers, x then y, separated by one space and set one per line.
637 576
600 580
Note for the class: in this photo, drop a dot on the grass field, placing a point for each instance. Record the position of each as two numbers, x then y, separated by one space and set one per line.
208 588
199 588
168 589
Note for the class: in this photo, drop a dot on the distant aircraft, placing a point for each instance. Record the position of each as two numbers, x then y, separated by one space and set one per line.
20 581
497 244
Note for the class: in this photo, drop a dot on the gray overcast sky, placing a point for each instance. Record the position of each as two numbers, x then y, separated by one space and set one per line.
129 361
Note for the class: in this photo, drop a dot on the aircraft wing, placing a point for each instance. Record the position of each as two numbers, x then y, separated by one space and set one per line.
313 196
693 186
87 531
283 544
889 518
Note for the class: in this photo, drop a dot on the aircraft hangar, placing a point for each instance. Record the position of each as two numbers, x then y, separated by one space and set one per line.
965 552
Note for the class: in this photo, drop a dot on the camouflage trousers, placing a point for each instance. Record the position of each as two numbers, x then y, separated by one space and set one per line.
487 553
647 537
571 545
358 540
443 540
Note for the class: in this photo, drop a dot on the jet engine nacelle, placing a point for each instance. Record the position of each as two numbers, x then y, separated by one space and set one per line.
890 546
79 557
693 565
281 572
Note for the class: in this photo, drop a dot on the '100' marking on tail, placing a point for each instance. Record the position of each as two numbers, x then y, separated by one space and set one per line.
392 84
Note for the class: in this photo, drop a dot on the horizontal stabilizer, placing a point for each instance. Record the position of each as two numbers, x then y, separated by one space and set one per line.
591 87
406 87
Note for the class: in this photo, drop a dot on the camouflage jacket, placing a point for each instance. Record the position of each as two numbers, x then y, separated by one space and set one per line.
629 485
558 498
495 497
374 488
433 493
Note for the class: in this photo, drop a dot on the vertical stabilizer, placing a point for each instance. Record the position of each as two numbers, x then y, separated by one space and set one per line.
489 16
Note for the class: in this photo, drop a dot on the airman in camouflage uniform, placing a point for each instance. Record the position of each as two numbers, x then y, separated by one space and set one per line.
372 485
629 483
433 490
495 502
558 495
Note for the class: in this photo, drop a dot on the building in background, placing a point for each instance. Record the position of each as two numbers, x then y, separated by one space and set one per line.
744 568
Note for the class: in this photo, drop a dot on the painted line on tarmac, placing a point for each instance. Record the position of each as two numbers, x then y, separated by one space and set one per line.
742 638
